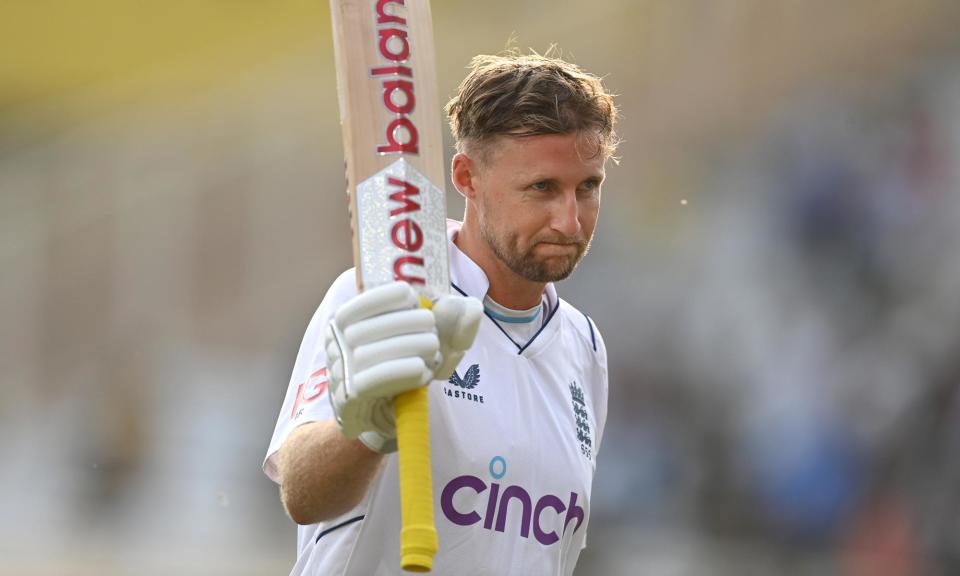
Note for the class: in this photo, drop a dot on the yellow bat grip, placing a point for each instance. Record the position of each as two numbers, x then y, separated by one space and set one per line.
418 537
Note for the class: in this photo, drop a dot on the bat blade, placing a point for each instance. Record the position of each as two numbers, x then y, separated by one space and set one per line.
389 115
400 228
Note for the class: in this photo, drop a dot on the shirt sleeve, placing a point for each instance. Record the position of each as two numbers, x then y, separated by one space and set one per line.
306 399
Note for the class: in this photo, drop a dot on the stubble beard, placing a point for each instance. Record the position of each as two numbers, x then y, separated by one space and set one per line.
525 263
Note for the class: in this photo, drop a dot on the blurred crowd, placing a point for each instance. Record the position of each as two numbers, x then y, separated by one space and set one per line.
785 400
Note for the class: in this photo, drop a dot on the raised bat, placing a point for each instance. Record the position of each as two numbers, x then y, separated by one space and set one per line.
390 119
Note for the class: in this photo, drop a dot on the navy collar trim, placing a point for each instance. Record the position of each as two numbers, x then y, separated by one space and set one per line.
520 348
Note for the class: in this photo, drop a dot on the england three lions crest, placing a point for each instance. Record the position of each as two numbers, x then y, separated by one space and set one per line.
582 418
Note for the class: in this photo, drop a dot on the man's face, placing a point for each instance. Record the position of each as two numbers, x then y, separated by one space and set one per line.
538 199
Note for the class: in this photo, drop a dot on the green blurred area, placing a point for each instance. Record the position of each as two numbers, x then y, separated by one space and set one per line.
55 48
691 73
52 48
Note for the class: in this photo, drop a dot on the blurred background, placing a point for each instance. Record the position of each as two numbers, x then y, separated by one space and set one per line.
776 274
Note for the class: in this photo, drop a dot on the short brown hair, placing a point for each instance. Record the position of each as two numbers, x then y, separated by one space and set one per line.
530 95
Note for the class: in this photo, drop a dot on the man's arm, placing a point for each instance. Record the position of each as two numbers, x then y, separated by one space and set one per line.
323 473
378 345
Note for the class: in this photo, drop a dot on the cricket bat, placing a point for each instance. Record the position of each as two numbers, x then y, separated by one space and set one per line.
390 119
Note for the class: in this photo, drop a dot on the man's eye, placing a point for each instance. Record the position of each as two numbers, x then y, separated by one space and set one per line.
541 186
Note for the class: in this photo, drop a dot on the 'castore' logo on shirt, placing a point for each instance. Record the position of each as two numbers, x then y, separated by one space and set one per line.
470 380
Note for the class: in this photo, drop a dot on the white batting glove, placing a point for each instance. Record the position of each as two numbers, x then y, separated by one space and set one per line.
381 344
457 319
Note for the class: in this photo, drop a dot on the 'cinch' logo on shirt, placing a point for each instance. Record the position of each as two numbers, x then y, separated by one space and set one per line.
533 514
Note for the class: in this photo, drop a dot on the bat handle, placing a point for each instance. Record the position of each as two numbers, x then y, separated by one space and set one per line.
418 537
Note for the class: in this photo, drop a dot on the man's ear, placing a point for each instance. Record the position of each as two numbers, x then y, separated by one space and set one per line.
463 173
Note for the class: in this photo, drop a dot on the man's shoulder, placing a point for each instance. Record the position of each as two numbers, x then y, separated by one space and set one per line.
345 285
582 325
343 288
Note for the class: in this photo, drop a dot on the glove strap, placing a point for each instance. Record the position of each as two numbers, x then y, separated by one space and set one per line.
378 443
347 364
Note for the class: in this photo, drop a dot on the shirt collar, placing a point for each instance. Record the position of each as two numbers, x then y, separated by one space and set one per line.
469 277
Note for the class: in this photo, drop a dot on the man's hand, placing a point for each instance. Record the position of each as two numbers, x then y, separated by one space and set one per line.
381 344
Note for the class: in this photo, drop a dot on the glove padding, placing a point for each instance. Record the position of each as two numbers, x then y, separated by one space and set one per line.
381 344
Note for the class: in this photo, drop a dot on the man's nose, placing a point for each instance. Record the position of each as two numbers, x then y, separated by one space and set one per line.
566 214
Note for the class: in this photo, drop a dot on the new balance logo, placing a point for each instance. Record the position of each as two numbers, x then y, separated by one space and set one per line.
470 380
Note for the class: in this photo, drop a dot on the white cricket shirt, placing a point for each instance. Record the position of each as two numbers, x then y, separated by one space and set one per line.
514 433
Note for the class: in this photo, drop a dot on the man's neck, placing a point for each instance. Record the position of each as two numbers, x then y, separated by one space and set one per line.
507 288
